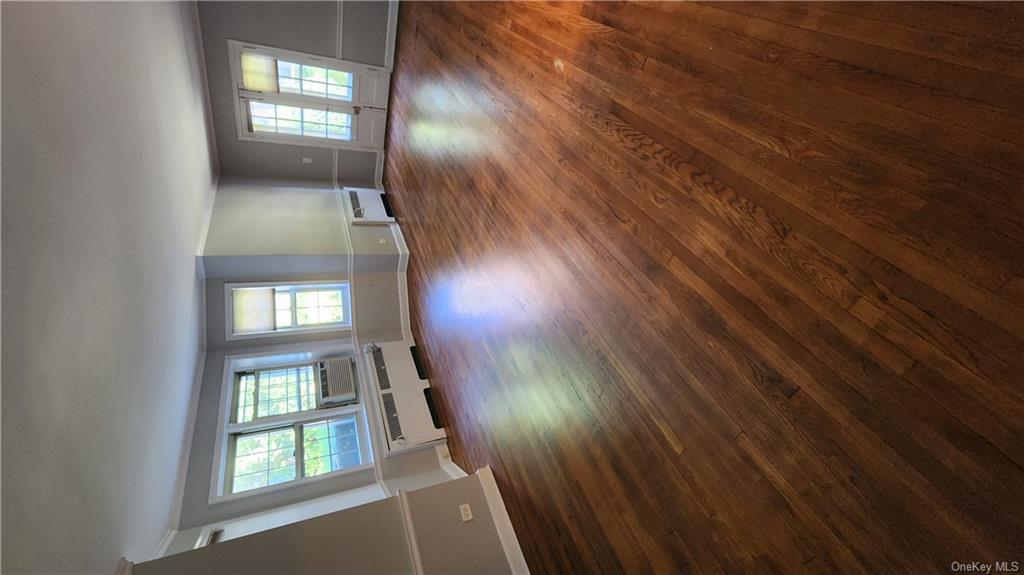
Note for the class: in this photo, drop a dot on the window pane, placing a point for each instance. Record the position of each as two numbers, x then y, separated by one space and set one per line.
264 125
289 127
312 122
306 299
316 130
289 85
339 78
281 391
339 85
318 89
284 318
315 116
251 444
331 314
245 389
307 316
339 92
314 73
329 297
330 445
339 132
288 69
261 109
263 458
289 112
283 300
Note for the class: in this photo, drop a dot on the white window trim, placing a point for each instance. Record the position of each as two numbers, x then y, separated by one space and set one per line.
229 310
268 359
235 48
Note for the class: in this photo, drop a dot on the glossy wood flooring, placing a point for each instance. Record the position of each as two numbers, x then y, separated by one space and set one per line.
724 287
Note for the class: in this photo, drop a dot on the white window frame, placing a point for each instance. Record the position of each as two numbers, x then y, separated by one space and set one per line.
223 449
229 309
359 106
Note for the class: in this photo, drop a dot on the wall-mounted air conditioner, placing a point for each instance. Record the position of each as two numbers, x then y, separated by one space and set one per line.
407 414
337 381
369 207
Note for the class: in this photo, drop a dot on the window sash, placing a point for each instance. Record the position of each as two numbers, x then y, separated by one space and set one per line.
233 458
232 310
238 50
300 102
335 126
298 425
276 75
254 396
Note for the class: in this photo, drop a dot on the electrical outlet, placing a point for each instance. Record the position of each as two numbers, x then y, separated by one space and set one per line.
466 512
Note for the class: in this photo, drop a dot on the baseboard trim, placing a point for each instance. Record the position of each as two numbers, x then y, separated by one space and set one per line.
502 523
165 542
410 532
186 448
444 457
124 567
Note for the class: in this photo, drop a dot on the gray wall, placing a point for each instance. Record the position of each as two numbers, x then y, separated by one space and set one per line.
375 306
447 545
275 217
363 540
309 27
370 538
107 182
364 32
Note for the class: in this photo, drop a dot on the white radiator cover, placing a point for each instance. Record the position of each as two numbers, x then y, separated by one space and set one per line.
404 416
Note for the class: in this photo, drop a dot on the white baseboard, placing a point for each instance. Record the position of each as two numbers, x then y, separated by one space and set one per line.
392 35
124 567
444 457
165 542
506 534
410 533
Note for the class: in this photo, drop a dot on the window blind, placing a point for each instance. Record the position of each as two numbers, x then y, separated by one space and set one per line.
259 72
253 310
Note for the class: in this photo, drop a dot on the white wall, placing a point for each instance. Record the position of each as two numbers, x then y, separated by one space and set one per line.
107 181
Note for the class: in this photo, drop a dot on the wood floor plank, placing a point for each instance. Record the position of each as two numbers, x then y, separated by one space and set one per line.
696 321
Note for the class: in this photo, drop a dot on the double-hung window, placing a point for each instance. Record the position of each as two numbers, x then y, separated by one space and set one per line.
262 309
290 97
278 432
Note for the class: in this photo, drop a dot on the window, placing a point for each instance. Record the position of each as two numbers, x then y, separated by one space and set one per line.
258 310
298 98
317 122
275 392
278 432
330 446
263 458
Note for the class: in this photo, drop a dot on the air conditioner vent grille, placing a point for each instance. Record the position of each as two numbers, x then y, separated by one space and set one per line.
356 208
391 414
382 369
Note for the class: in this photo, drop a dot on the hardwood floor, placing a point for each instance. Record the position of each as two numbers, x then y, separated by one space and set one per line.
724 287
